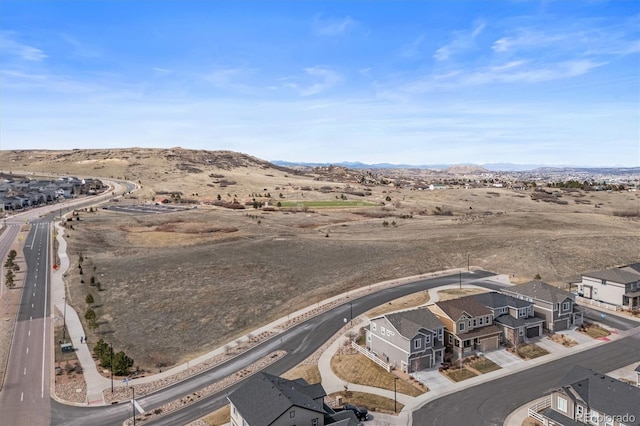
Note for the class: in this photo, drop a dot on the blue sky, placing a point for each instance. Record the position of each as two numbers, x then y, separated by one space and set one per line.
417 82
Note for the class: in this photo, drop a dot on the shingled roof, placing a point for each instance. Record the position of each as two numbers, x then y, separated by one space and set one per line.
616 275
454 308
498 300
602 393
264 397
539 290
409 323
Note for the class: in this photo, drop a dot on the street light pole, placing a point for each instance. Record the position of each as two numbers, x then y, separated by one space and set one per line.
133 404
351 307
64 320
111 346
395 394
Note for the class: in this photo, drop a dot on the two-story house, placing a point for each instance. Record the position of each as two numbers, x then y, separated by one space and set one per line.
555 305
584 396
412 340
616 286
267 400
468 325
515 317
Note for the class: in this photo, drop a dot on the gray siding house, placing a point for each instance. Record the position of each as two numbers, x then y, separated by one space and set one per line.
468 325
411 340
556 306
619 287
585 396
515 317
267 400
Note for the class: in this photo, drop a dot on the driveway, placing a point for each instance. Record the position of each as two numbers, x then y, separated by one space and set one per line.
503 358
433 379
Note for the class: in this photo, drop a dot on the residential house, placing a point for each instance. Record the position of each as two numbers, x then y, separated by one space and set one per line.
515 317
435 186
268 400
411 340
585 396
618 287
468 325
555 305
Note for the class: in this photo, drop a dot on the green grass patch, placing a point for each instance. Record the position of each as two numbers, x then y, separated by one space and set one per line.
328 204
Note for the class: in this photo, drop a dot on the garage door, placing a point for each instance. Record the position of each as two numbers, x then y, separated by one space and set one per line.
488 344
533 332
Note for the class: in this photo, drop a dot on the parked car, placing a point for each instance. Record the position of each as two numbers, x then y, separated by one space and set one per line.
360 412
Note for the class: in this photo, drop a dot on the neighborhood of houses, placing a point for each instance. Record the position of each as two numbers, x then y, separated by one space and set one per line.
19 194
448 331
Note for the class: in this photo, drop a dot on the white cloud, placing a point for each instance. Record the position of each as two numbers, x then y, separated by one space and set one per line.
462 40
324 80
333 26
23 51
228 78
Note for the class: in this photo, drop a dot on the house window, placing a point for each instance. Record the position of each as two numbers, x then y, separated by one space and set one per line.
382 331
608 420
604 282
417 344
461 326
579 412
314 422
562 404
565 306
292 414
481 321
427 340
373 326
593 417
475 322
450 338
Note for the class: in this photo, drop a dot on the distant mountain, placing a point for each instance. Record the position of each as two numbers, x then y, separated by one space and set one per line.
494 167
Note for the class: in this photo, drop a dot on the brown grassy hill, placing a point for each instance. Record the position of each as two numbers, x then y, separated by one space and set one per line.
177 284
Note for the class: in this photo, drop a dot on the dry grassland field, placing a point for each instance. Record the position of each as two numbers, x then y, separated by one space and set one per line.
175 285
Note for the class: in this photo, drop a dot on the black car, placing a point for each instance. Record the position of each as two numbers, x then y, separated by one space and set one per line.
360 412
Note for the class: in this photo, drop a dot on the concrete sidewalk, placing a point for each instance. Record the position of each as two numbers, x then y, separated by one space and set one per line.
95 382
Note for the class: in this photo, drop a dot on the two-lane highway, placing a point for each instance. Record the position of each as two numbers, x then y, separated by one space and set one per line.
25 398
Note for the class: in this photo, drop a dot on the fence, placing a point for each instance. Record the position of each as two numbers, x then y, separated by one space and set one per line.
534 411
598 303
371 356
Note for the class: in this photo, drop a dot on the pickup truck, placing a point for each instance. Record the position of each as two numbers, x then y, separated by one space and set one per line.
360 412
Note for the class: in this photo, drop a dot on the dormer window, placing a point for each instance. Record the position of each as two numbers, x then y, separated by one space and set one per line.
461 326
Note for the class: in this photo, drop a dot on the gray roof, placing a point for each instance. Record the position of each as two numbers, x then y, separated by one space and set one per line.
633 267
602 393
539 290
498 300
638 368
616 275
560 419
454 308
409 323
264 397
511 322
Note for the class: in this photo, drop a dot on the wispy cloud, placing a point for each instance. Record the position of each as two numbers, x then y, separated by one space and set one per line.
324 79
230 79
23 51
462 41
333 26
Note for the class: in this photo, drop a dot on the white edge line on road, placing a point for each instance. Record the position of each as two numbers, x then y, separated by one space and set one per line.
21 396
29 333
34 236
27 349
44 315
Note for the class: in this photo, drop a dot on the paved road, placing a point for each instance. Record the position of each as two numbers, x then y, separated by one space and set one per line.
25 399
491 402
300 342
